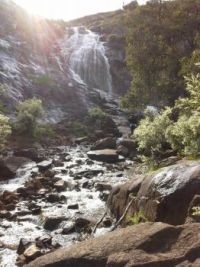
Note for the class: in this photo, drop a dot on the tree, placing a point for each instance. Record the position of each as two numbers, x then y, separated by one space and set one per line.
5 130
28 113
160 34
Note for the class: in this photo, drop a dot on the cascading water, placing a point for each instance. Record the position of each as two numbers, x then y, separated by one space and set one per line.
85 54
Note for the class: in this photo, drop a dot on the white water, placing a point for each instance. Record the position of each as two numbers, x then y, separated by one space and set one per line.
85 54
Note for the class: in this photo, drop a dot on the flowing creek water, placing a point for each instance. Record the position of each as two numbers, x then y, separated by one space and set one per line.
84 193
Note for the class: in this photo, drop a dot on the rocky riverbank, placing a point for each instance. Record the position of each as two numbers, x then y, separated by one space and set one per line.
55 198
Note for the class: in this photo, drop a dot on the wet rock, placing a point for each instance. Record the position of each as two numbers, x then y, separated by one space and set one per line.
106 143
73 206
82 222
49 173
69 228
30 153
42 191
120 196
105 155
52 198
34 208
146 244
60 185
104 195
44 241
107 222
9 166
58 163
32 252
194 210
103 187
5 214
9 197
164 195
81 140
127 147
44 165
87 174
51 222
23 245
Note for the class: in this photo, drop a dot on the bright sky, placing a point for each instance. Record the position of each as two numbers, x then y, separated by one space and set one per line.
71 9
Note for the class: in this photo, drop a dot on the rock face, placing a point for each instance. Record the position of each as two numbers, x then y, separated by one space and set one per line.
148 244
163 196
36 64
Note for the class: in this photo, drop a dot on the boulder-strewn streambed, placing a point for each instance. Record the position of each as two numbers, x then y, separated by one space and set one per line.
55 202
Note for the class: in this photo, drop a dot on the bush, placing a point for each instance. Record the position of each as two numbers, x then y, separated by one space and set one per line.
5 130
184 135
43 80
150 134
42 131
28 114
79 129
96 114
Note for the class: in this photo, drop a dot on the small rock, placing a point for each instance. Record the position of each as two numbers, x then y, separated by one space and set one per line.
103 187
73 206
60 185
68 228
32 252
44 165
51 222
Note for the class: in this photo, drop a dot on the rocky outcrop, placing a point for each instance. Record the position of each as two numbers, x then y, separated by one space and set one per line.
164 195
148 244
9 166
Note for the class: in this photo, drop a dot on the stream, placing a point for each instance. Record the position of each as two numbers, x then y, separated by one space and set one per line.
82 196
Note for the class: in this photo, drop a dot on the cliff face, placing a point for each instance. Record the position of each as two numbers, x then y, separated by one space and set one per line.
32 63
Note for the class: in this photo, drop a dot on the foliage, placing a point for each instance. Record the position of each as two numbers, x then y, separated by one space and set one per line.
28 113
160 34
137 218
192 102
96 114
79 129
184 135
150 134
196 211
5 130
43 80
44 130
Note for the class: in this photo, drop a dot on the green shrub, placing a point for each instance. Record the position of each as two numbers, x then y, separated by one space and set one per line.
150 134
28 113
43 80
184 135
97 114
5 129
79 129
137 218
44 131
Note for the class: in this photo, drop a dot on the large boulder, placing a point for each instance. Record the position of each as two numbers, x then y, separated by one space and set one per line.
127 147
109 142
30 153
104 155
10 165
163 196
148 244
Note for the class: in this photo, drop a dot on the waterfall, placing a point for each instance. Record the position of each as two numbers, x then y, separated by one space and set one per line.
86 58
